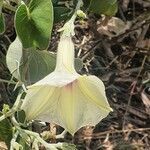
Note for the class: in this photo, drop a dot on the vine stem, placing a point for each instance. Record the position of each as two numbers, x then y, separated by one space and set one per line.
78 6
15 107
39 139
13 143
68 28
35 135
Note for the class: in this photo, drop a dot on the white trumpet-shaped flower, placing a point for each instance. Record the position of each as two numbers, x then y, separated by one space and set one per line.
65 97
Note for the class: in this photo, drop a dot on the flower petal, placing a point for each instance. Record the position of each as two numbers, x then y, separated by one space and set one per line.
82 102
72 106
94 89
36 101
57 79
65 55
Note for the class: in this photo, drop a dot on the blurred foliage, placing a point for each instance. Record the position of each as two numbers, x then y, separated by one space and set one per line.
6 131
32 25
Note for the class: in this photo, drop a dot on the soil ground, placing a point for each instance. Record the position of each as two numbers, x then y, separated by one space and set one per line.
122 62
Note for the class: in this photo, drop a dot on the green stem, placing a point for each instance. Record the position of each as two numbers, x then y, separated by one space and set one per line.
35 145
35 135
15 123
15 107
68 28
40 140
13 144
79 4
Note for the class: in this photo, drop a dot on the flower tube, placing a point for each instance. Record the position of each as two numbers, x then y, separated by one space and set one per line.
65 97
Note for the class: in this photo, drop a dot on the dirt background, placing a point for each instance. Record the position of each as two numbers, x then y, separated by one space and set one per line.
121 58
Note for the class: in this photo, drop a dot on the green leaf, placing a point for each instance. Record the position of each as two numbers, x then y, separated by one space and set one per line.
34 65
2 23
34 23
78 64
106 7
5 131
1 4
14 58
62 13
21 116
23 143
40 64
112 10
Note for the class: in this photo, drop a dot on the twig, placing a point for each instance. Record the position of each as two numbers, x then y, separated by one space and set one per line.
132 91
143 62
82 43
83 56
128 32
97 135
129 101
62 135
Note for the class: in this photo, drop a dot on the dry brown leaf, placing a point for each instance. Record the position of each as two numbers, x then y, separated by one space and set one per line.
144 3
144 43
145 99
125 4
3 146
113 27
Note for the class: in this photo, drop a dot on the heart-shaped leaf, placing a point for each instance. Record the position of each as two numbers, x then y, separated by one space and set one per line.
34 65
34 23
14 58
39 64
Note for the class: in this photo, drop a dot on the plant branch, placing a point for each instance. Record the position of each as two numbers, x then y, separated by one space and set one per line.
40 140
15 107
